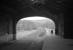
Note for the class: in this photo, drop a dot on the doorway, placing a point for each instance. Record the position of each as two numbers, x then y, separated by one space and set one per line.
33 23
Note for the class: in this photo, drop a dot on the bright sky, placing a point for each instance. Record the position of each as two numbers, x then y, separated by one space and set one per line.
34 18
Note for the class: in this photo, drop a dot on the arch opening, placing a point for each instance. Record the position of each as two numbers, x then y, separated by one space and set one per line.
31 26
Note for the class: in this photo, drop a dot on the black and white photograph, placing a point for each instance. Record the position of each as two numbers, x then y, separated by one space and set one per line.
36 25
